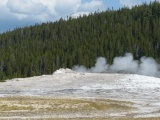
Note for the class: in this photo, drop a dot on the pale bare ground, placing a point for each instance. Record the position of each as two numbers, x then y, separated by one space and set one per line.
78 96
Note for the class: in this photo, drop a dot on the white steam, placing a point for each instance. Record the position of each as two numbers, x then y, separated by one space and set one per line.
100 66
148 66
125 64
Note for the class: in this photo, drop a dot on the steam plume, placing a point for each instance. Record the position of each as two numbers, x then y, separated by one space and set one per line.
124 64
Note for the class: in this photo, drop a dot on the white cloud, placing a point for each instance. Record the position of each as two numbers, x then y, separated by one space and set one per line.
78 14
3 10
26 7
16 13
32 9
44 10
67 7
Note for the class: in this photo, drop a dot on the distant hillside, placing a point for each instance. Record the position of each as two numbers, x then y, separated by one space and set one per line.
44 48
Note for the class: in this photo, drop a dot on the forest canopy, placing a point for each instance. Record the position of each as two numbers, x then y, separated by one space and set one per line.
44 48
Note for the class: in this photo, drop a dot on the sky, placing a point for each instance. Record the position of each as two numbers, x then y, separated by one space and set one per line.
21 13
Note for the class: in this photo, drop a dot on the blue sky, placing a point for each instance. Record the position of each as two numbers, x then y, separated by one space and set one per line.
20 13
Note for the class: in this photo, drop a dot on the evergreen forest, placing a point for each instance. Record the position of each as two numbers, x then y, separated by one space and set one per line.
43 48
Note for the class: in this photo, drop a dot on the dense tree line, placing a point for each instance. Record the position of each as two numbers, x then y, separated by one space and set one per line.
44 48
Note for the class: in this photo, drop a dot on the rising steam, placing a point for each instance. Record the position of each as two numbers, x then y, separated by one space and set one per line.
125 64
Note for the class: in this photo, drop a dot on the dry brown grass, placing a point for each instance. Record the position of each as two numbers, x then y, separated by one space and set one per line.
104 119
60 104
101 119
64 108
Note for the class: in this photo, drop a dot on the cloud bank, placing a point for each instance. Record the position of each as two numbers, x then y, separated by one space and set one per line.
15 13
37 11
124 64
